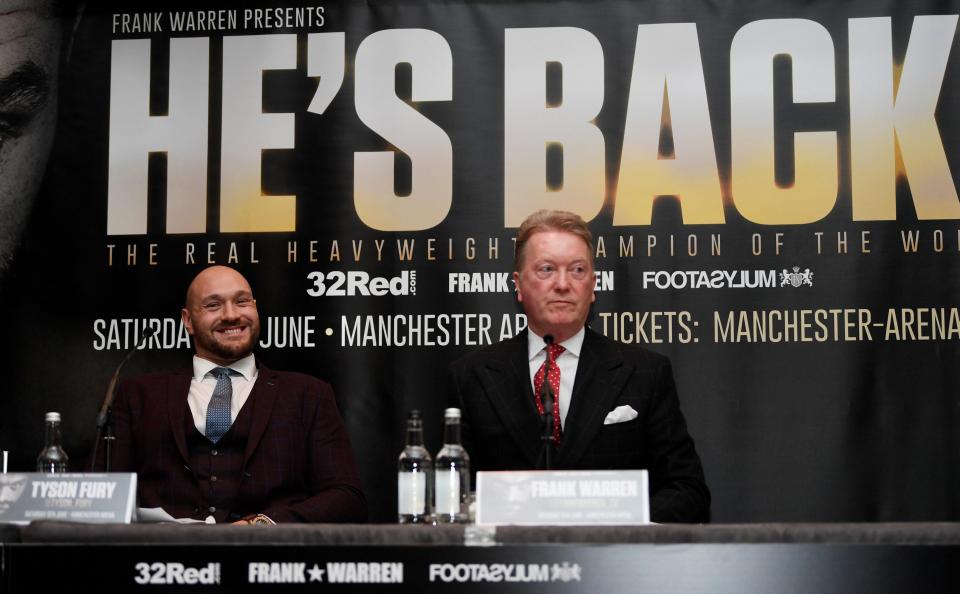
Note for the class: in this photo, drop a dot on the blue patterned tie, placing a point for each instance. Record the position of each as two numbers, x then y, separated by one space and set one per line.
218 411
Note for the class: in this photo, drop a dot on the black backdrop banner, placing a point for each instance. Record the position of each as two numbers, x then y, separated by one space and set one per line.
771 187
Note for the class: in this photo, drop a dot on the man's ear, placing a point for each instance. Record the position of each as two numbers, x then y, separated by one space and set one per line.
516 283
187 322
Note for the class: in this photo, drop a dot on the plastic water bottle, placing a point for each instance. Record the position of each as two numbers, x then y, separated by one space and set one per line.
452 473
52 458
414 476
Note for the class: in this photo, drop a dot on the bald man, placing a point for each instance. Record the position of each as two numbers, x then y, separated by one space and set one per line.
230 440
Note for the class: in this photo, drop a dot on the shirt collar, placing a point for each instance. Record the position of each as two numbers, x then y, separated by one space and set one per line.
535 343
247 367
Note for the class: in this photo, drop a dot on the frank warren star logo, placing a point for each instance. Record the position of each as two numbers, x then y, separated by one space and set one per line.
796 278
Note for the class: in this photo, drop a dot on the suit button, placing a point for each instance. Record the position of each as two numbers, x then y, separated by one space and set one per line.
213 478
214 452
196 510
212 509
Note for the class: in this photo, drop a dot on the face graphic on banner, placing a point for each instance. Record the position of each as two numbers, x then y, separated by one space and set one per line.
221 315
555 283
30 48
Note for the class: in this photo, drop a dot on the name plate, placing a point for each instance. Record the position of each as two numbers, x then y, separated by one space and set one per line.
572 497
68 497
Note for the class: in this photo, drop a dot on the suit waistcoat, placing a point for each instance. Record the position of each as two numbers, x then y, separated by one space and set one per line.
217 467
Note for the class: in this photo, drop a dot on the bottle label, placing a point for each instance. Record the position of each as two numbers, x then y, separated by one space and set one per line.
448 492
412 493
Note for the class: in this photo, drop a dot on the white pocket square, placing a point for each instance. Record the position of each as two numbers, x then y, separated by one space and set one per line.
621 414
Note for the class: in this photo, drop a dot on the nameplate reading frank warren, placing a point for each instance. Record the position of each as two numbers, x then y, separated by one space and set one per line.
576 497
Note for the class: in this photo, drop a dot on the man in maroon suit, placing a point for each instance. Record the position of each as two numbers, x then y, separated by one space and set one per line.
233 440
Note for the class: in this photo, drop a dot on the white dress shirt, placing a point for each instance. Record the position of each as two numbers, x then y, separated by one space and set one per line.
203 383
567 362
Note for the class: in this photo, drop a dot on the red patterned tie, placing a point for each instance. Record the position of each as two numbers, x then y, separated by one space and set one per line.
553 351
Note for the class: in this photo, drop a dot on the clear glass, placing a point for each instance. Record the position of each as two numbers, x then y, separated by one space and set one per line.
414 477
52 458
452 474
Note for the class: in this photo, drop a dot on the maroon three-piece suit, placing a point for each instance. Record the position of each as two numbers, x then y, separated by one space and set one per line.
287 455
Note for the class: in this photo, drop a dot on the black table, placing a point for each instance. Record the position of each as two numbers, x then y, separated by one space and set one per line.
750 558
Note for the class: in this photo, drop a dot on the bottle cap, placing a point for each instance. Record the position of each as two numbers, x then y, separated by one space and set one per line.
52 416
414 414
452 413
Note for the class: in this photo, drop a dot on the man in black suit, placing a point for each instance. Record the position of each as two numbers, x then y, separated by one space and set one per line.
617 405
230 440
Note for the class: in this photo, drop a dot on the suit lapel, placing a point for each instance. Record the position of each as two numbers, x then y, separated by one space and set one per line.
178 386
263 397
506 381
601 375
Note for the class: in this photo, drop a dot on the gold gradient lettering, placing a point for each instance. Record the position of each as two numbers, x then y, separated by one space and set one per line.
692 174
755 192
247 131
530 125
884 116
135 133
427 145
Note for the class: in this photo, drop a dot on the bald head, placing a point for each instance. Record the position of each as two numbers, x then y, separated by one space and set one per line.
210 278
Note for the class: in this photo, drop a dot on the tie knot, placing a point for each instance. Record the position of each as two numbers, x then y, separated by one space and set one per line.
222 372
554 350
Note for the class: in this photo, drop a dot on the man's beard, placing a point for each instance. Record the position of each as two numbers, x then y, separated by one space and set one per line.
230 352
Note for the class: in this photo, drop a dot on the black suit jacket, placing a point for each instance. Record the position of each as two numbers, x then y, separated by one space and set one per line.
298 465
501 427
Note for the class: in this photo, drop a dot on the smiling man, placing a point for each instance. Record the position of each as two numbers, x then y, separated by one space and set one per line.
230 439
616 405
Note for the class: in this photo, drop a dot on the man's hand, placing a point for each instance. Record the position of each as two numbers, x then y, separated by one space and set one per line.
256 519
